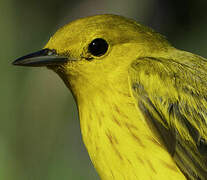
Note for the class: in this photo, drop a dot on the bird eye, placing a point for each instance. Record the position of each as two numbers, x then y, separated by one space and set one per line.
98 47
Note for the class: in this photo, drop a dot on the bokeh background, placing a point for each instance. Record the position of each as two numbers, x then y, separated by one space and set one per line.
39 128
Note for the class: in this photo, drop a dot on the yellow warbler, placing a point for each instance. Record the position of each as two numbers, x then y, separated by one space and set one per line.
142 103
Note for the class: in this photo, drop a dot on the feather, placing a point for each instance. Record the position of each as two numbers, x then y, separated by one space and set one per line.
171 94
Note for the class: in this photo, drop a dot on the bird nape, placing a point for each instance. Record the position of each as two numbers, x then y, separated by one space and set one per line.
142 103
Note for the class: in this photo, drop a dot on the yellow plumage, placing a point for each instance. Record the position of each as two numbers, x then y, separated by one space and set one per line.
142 103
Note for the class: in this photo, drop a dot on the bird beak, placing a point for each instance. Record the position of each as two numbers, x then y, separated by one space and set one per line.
44 57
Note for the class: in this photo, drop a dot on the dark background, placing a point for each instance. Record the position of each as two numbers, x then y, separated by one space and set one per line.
39 128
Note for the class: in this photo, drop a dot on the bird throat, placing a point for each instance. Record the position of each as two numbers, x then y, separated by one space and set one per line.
119 141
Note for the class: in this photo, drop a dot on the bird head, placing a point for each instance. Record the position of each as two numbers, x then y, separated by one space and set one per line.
95 50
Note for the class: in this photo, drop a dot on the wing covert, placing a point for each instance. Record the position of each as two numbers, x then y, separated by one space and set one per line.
173 99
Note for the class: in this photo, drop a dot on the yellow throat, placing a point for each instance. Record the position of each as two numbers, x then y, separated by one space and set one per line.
119 141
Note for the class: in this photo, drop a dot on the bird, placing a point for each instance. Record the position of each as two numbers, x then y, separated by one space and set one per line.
142 103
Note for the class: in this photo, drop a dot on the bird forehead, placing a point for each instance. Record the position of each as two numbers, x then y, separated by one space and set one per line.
96 24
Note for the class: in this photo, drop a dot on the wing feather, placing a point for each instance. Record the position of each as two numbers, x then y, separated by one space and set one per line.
173 99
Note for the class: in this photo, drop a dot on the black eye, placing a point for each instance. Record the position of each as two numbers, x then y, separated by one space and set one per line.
98 47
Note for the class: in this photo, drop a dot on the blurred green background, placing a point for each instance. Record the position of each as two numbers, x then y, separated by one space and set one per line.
39 129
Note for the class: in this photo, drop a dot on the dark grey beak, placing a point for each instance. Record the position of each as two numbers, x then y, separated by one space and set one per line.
44 57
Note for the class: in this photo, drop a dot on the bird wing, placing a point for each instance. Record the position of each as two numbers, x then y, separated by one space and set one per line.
172 96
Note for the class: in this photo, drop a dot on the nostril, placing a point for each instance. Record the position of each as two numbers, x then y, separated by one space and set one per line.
51 52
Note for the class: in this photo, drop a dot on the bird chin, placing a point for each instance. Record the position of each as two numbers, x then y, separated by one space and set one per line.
57 68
